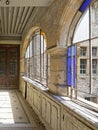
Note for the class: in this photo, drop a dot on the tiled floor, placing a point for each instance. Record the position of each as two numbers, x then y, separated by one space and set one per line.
11 110
14 113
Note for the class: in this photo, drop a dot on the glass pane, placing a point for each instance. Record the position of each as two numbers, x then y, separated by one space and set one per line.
13 54
13 67
83 70
2 53
42 44
82 29
94 66
31 65
30 49
28 67
45 68
94 20
35 66
36 59
88 97
2 68
38 67
94 79
27 53
94 51
37 43
83 51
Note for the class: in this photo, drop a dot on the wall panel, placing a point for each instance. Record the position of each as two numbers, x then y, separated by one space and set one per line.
54 114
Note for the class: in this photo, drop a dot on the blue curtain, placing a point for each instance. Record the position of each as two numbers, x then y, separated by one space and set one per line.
71 66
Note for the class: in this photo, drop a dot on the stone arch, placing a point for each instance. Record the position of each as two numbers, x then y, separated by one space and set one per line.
73 25
27 39
69 18
72 28
23 48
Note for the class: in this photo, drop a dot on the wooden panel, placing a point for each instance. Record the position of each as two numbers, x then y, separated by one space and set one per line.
9 66
32 96
37 100
71 123
48 112
43 107
55 117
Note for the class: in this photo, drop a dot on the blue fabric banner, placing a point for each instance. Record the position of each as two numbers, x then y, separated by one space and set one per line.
71 66
84 5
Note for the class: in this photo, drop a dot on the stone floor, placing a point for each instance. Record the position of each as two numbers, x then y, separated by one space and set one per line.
16 114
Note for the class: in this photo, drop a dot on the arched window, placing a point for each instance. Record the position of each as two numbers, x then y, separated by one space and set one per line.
85 40
82 29
36 58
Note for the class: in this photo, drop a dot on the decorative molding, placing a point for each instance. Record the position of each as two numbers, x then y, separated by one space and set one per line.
22 3
56 49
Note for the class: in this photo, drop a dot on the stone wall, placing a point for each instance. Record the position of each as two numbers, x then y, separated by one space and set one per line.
55 22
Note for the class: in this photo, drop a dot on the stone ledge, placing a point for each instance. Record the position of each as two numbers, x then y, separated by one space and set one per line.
86 113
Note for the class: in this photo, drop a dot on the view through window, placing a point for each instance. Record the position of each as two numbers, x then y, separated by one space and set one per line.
36 58
86 41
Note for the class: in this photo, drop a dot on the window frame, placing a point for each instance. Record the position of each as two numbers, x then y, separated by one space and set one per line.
36 59
94 53
83 51
89 57
83 66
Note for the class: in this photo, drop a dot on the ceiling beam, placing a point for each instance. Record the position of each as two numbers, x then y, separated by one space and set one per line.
2 20
22 3
10 16
19 18
22 18
10 38
5 19
26 19
10 41
15 13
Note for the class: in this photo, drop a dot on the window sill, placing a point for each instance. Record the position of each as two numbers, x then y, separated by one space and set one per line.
80 108
84 112
35 83
83 76
91 105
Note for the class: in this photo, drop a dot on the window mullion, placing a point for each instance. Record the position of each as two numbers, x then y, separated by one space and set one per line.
40 58
33 56
29 61
43 57
90 53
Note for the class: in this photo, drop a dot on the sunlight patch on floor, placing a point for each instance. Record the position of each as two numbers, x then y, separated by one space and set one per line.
6 114
11 110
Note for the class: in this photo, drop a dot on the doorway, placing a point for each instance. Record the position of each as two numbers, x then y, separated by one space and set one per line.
9 66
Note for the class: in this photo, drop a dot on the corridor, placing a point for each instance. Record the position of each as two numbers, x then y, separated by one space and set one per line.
48 64
16 114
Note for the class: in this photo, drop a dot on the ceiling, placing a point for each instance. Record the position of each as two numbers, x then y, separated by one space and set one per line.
15 16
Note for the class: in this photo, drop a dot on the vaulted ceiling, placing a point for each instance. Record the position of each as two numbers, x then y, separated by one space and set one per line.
15 15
